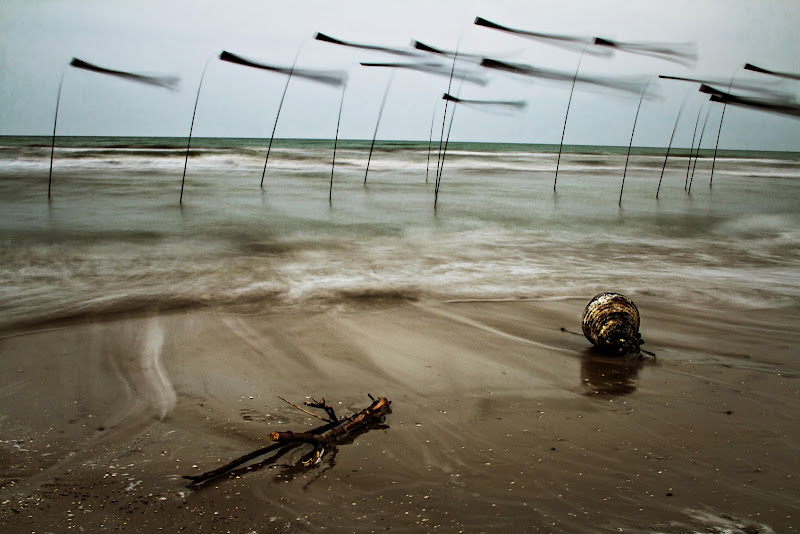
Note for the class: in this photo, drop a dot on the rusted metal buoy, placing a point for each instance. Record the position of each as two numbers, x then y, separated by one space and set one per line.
611 322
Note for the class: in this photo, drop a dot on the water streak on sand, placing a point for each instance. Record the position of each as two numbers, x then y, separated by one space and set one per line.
489 329
135 353
150 390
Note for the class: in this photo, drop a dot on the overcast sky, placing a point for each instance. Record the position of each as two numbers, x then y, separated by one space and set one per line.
39 38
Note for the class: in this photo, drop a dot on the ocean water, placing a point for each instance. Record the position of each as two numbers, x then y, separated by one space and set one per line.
113 238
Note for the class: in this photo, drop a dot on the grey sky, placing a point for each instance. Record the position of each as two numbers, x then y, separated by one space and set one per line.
38 39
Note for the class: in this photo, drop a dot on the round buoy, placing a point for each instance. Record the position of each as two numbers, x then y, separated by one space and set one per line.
611 322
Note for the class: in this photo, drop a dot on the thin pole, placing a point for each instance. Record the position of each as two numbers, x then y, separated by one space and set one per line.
444 154
430 141
444 115
564 129
335 142
719 131
691 147
671 137
189 143
447 139
277 116
441 140
53 144
378 122
635 118
697 152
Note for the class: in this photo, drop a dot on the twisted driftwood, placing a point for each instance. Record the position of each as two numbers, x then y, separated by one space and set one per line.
334 429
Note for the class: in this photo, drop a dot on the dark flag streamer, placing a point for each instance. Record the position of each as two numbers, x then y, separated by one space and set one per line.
166 81
513 104
571 42
445 53
395 51
630 85
788 75
781 107
682 53
433 68
333 78
750 87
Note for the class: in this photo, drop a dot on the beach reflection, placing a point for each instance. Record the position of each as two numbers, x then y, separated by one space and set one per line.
604 376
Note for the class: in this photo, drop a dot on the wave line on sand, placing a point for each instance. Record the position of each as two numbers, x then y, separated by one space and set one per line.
489 329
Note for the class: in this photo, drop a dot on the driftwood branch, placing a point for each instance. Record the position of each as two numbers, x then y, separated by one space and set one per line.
374 412
319 437
197 480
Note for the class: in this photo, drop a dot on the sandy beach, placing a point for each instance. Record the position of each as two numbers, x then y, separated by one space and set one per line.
500 421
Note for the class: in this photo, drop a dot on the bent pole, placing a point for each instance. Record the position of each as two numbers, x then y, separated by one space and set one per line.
566 115
444 115
430 141
335 142
697 152
669 145
719 131
691 147
378 122
444 154
191 127
630 144
277 116
53 144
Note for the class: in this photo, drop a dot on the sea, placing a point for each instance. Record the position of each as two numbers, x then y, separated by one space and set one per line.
124 230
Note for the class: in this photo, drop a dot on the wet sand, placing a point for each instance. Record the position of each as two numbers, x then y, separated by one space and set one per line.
500 421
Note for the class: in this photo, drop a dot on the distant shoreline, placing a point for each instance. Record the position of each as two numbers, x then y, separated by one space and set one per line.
77 141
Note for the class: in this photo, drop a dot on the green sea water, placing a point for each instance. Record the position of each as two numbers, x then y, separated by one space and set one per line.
116 236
